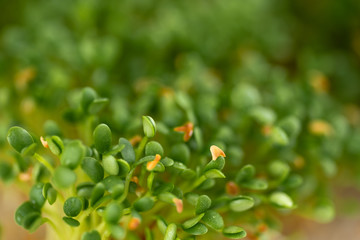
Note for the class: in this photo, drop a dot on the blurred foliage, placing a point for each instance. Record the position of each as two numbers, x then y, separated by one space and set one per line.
273 83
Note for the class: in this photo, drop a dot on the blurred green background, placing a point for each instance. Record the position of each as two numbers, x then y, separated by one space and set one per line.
126 49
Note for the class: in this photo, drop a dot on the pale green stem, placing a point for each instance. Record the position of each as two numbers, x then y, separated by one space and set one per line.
44 162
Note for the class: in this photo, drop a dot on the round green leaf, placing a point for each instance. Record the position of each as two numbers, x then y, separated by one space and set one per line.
32 221
213 220
73 206
73 153
19 138
281 200
102 138
36 195
23 210
279 137
56 145
198 229
93 235
180 152
5 171
278 169
128 153
71 222
234 232
97 105
255 184
219 164
191 222
246 173
51 195
149 126
241 203
124 167
170 233
203 204
113 213
214 173
97 193
93 169
85 189
64 177
87 97
111 166
144 204
153 148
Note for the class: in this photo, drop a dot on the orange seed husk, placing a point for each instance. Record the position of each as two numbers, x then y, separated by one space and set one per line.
178 204
152 164
216 152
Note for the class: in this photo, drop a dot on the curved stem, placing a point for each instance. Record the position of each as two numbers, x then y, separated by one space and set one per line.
44 162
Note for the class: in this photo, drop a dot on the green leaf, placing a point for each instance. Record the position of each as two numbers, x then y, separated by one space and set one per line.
128 153
170 233
93 235
149 126
192 222
56 145
161 223
219 164
51 128
85 189
117 231
279 137
19 138
36 195
102 138
64 177
51 195
24 210
124 167
71 222
167 162
255 184
97 193
263 115
113 213
153 148
5 171
73 153
144 204
93 169
241 203
73 206
214 173
32 221
246 173
97 105
203 204
198 229
278 169
87 97
234 232
113 183
180 152
111 166
281 200
213 220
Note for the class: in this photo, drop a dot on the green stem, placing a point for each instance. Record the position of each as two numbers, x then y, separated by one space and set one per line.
197 183
127 183
44 162
141 147
54 227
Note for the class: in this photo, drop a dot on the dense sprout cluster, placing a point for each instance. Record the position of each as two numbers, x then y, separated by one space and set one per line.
152 119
